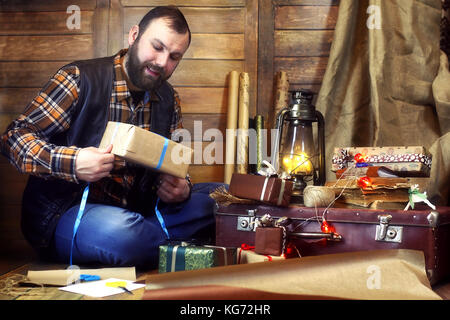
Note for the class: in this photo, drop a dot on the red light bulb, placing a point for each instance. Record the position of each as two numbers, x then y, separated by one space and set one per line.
326 227
360 158
364 182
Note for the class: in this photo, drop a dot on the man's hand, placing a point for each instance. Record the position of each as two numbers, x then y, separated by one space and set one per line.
92 163
172 189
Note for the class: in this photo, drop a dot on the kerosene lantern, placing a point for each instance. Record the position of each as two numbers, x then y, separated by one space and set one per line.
297 155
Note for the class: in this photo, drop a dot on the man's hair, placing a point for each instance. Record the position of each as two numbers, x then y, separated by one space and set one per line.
174 16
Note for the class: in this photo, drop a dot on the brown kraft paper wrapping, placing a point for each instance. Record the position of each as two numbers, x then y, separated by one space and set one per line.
250 256
143 147
370 275
271 190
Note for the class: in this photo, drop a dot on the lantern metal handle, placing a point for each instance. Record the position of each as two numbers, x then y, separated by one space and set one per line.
321 137
275 152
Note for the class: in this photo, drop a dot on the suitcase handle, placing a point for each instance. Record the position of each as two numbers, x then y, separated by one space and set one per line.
247 223
316 235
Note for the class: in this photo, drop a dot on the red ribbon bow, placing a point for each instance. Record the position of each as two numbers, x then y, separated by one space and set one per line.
245 246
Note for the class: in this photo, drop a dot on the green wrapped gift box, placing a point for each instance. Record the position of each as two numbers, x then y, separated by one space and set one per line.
179 257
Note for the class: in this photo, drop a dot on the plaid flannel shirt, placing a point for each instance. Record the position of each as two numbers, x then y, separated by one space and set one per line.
49 113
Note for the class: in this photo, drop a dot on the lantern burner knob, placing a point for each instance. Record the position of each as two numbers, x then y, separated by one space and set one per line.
304 96
302 109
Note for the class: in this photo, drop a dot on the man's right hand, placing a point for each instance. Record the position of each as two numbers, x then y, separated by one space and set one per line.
92 163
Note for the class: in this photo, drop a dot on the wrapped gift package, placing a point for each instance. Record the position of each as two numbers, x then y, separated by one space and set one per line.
404 161
146 148
248 255
270 190
180 257
269 240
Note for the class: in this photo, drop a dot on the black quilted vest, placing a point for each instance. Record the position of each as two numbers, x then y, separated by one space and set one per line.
45 200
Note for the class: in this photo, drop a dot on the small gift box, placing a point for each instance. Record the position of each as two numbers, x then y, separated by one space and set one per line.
146 148
246 254
270 190
404 161
269 241
179 257
271 235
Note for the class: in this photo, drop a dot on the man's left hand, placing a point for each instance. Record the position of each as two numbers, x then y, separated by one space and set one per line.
172 189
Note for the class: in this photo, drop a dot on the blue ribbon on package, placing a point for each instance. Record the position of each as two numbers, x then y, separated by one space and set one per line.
161 220
163 153
175 259
86 193
79 216
158 213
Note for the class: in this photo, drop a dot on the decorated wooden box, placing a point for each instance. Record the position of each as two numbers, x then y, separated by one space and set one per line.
412 161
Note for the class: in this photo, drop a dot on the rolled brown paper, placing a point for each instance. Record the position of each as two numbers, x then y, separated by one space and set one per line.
242 139
282 93
351 275
232 114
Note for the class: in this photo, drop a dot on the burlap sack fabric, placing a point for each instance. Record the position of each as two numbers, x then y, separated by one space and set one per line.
387 82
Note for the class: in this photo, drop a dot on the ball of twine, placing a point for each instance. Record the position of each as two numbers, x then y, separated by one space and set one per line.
317 196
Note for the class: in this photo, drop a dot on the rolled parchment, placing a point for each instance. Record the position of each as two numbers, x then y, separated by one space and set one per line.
242 138
282 94
232 113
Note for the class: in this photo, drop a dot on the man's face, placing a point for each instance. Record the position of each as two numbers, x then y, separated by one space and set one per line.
154 56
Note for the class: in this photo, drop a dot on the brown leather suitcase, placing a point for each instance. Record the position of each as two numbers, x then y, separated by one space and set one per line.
356 230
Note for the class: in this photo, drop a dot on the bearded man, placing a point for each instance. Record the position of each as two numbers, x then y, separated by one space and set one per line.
128 210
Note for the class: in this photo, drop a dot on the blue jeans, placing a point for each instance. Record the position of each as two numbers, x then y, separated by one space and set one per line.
114 236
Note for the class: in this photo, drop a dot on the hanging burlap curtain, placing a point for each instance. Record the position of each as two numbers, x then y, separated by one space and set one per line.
387 83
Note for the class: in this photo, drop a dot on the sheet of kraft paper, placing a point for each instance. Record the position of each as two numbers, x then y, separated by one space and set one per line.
397 274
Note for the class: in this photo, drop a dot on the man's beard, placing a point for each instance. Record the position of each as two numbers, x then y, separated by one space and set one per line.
137 73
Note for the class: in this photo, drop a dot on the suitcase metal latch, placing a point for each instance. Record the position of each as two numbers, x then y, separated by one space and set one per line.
247 223
387 233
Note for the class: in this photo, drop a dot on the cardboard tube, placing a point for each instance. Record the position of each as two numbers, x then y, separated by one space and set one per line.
282 93
242 139
232 113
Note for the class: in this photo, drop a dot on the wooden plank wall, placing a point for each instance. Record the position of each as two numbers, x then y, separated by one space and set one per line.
260 37
302 40
298 34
